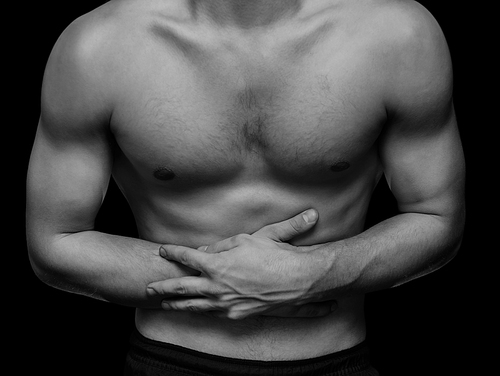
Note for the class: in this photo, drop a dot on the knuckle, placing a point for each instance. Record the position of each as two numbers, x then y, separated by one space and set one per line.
180 289
295 225
215 265
184 258
153 290
190 306
220 293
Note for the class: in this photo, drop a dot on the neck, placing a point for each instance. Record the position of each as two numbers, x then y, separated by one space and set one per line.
245 13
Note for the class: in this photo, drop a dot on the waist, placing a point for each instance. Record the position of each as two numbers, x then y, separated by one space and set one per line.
259 338
167 357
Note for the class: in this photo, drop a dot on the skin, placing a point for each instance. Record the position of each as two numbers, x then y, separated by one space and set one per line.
226 126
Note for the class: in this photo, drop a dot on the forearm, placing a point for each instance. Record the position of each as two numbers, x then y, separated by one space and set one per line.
261 273
107 267
391 253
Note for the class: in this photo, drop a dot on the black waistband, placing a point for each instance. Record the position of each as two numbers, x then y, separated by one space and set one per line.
165 356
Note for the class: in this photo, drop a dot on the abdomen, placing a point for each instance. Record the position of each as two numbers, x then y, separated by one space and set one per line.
259 338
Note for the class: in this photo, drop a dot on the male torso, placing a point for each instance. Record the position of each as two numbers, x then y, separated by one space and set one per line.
221 130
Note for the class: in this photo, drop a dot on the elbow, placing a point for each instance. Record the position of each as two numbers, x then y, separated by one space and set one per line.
455 245
45 263
450 252
457 229
42 267
453 236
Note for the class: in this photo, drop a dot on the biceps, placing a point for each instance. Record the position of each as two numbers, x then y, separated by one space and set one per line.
426 171
66 184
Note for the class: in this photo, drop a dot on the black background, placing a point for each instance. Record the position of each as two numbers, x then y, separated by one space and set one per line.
437 325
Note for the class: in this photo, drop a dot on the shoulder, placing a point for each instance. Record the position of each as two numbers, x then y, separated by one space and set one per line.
411 30
406 53
401 18
399 42
405 31
86 44
413 62
80 73
413 50
98 30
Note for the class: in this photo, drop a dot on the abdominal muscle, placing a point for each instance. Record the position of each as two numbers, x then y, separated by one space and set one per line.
258 338
261 337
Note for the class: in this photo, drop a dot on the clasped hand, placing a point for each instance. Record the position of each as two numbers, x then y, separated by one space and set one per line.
247 275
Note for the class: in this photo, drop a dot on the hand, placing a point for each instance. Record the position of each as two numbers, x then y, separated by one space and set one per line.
247 275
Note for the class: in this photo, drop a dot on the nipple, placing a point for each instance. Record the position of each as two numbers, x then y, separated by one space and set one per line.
340 166
163 173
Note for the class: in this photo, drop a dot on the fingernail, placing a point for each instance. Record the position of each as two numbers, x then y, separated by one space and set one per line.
163 252
310 216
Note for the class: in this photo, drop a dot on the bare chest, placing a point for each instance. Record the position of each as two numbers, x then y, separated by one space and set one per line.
222 119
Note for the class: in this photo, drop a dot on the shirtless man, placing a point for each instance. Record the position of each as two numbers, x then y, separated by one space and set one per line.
247 137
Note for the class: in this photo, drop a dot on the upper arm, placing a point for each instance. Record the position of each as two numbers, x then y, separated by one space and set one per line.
420 148
71 159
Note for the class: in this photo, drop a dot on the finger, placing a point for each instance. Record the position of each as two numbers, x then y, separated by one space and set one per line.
189 305
213 248
184 286
286 230
190 257
309 310
225 245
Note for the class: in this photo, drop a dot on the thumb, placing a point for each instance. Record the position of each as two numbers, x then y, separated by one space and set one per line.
286 230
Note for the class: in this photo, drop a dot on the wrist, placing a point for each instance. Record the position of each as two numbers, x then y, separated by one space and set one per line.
317 263
336 269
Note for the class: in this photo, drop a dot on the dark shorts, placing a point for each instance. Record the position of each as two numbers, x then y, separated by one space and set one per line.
152 358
